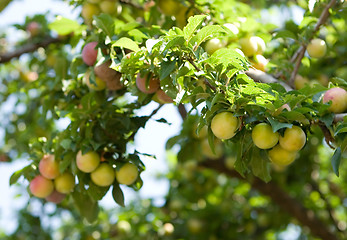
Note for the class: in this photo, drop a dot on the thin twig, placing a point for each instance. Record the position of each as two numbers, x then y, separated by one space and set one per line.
198 69
300 53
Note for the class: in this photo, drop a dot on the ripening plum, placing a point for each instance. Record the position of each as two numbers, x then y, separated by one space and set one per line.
281 157
41 187
65 183
103 175
224 125
147 84
338 98
263 136
169 7
87 162
213 45
34 28
108 6
316 48
49 167
88 11
260 62
97 85
293 139
90 53
110 76
161 97
127 174
56 197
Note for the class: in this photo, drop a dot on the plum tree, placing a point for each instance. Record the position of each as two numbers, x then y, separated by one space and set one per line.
293 139
281 156
338 98
147 83
224 125
90 53
87 162
127 174
103 175
34 29
41 187
49 167
64 183
263 136
317 48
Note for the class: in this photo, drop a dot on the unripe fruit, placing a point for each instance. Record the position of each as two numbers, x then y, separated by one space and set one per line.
263 136
300 81
213 45
87 162
48 167
260 62
108 6
280 109
65 183
316 48
195 225
41 187
110 76
207 151
98 85
182 15
232 28
127 174
293 139
224 125
88 11
56 197
281 157
152 86
260 44
169 7
90 53
103 176
338 98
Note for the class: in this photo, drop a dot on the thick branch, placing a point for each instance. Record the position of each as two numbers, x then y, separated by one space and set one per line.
300 53
4 4
28 48
281 198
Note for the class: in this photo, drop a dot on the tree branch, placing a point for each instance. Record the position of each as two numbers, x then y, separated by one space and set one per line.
263 77
28 48
4 4
281 198
300 53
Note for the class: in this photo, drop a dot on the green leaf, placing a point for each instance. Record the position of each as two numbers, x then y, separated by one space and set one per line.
260 165
206 33
166 67
118 195
105 23
65 26
193 24
227 57
66 143
96 192
125 42
335 160
278 125
285 34
88 208
16 175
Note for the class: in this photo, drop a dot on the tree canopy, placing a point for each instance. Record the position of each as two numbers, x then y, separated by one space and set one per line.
261 90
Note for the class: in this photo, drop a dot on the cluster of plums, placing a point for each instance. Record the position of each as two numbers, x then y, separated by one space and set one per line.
54 186
282 149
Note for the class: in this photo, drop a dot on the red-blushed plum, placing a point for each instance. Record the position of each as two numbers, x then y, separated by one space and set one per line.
87 162
162 97
41 187
49 167
338 98
146 85
34 28
56 197
90 53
